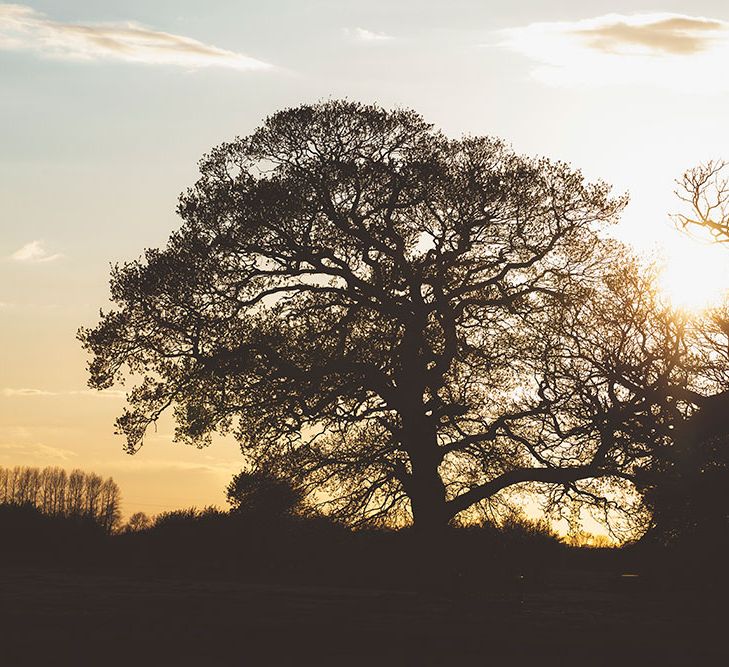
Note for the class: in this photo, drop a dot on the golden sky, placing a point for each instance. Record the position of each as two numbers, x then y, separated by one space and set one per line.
105 108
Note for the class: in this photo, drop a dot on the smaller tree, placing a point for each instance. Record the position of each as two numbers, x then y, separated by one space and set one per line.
137 522
263 494
686 487
109 512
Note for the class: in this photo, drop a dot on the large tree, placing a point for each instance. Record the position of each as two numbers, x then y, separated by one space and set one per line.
374 310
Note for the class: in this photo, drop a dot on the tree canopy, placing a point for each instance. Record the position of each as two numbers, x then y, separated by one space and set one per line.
686 484
401 323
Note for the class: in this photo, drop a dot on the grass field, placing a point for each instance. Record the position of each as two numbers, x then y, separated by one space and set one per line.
61 617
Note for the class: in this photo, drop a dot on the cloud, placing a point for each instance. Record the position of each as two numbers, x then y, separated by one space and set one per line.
103 393
362 35
653 34
670 50
10 392
152 466
23 28
11 453
33 252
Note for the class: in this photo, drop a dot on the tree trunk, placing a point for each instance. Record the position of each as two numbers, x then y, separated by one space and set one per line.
427 498
430 515
425 489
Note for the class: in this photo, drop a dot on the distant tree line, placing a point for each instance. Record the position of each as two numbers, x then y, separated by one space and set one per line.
54 492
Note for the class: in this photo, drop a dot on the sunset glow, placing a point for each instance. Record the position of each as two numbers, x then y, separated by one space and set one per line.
106 112
694 276
377 332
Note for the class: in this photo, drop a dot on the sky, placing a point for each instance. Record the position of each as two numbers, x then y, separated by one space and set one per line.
106 108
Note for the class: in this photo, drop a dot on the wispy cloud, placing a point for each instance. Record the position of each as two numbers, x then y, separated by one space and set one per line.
96 393
153 467
362 35
670 50
11 392
651 34
34 252
12 453
23 28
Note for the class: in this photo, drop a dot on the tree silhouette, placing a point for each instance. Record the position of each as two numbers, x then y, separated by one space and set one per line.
137 522
685 483
79 495
705 188
650 383
258 493
371 308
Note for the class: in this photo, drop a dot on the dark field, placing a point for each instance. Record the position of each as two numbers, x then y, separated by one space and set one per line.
58 617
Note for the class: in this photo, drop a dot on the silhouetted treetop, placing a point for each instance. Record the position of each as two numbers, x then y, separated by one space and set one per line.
137 522
367 305
685 484
55 493
705 189
261 494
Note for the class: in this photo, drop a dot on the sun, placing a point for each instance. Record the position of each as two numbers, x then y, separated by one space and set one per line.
694 275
